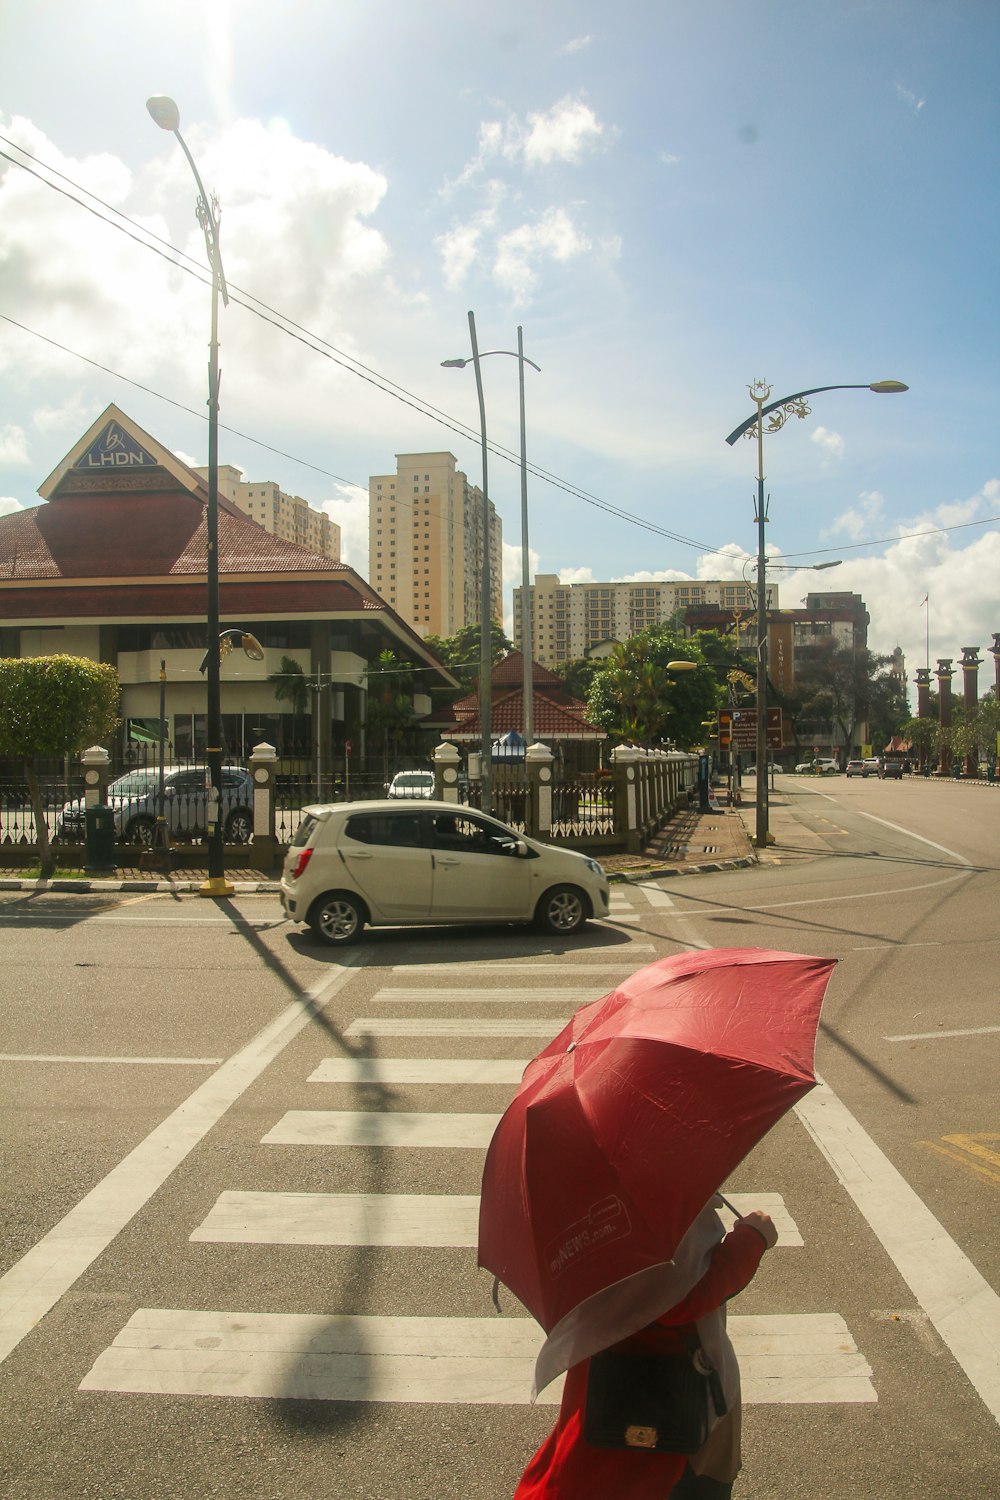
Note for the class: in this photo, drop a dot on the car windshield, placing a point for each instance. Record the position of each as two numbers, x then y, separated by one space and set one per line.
413 778
135 784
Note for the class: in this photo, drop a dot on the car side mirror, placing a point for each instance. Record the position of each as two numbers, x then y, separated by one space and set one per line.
169 791
520 849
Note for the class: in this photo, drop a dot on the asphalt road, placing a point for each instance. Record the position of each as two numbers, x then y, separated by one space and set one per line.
240 1179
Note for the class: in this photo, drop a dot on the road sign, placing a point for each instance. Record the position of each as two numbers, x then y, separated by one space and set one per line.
738 729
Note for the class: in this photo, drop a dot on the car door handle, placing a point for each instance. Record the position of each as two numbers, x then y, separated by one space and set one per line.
357 853
446 860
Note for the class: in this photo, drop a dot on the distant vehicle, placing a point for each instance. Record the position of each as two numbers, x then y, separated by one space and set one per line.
871 765
411 784
133 799
827 768
891 768
857 768
353 864
804 768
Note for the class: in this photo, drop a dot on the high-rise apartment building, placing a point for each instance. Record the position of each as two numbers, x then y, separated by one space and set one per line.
287 516
569 619
425 528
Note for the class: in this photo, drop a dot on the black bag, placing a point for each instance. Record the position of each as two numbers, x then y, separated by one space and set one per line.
657 1402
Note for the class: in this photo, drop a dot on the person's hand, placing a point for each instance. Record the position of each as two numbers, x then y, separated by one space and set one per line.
764 1225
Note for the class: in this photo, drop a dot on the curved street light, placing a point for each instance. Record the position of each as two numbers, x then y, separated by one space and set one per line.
778 413
164 112
486 611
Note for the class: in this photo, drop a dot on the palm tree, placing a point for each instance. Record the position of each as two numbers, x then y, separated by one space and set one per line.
291 686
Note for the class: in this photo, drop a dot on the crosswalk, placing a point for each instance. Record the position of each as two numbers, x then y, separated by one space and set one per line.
791 1358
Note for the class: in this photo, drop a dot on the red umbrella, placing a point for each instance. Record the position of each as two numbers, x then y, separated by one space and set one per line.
627 1123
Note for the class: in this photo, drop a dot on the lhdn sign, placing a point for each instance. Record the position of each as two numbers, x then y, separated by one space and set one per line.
115 449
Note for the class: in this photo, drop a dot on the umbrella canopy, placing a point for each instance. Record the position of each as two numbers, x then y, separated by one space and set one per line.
627 1123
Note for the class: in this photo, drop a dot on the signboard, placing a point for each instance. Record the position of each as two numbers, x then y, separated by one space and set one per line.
738 729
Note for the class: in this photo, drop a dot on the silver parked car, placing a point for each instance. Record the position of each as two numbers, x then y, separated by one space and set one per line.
134 799
358 863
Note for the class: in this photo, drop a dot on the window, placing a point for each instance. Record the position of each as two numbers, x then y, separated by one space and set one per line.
399 830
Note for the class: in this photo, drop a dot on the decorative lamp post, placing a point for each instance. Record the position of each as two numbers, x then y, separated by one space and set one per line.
165 113
777 413
486 634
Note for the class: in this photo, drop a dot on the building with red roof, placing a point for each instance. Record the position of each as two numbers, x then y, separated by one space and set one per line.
112 566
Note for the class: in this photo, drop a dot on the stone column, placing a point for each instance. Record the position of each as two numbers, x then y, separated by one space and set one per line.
538 810
263 768
447 758
923 681
96 763
970 664
624 762
944 674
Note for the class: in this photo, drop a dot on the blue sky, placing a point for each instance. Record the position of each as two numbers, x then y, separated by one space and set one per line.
673 200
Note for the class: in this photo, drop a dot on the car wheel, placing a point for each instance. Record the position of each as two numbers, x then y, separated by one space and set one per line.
239 829
562 910
337 918
141 831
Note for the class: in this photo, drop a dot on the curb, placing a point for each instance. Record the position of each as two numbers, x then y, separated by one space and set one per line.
135 887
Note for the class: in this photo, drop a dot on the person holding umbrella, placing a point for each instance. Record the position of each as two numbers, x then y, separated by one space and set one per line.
599 1211
568 1466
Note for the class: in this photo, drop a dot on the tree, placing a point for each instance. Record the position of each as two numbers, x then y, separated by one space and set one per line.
390 703
291 686
461 653
839 687
54 705
636 697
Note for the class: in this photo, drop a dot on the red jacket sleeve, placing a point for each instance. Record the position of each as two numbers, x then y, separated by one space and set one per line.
734 1263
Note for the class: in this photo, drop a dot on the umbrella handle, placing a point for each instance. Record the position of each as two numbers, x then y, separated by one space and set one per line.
730 1206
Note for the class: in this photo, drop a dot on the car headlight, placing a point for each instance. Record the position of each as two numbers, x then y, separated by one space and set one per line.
595 868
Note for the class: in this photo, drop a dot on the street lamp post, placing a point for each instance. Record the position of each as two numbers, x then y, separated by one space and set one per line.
486 634
777 413
165 113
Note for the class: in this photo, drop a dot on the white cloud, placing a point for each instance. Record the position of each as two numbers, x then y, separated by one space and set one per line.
348 506
908 97
553 237
668 158
830 442
858 521
13 445
565 133
576 575
8 505
577 44
458 252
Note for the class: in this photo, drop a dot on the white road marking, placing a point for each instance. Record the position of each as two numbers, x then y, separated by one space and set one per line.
452 1070
908 833
933 1036
569 996
529 966
959 1302
179 1062
341 1219
451 1026
35 1283
655 895
344 1127
806 1358
261 1218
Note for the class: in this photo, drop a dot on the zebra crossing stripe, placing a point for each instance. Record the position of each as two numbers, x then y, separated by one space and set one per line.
531 966
426 1220
800 1358
569 997
367 1026
354 1070
343 1127
341 1219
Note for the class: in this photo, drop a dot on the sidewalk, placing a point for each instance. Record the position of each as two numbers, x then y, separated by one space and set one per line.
693 843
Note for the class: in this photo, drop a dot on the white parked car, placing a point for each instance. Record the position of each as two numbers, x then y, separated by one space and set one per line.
358 863
411 784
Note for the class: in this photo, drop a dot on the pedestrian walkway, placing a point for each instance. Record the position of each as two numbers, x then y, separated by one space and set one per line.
788 1357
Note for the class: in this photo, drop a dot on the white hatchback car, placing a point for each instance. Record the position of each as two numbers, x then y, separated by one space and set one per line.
411 784
358 863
